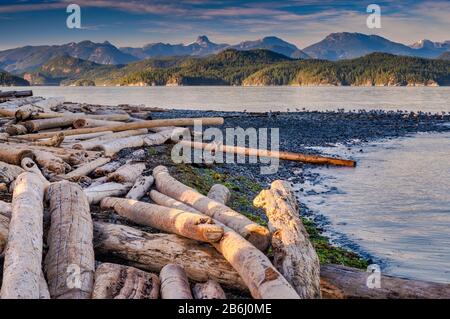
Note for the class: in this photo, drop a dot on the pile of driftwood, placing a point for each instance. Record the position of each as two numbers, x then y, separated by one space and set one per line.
59 161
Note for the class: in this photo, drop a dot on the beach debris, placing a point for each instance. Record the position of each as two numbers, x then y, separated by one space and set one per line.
208 290
174 283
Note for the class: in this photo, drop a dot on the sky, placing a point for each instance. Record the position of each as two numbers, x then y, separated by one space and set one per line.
136 23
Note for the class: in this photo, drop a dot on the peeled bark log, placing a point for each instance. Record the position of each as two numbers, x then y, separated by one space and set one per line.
9 173
111 147
113 281
23 256
294 255
133 126
5 209
70 262
153 251
167 201
80 123
158 138
254 233
208 290
45 124
16 129
219 193
107 168
30 166
100 140
96 193
87 168
343 282
127 173
140 187
55 141
51 163
13 155
174 283
252 265
166 219
83 137
4 226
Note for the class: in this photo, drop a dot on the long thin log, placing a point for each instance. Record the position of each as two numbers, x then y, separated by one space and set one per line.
208 290
166 219
174 283
87 168
151 252
140 187
127 173
23 256
12 155
20 115
9 172
254 233
219 193
289 156
96 193
294 255
132 126
70 252
255 269
167 201
100 140
111 147
113 281
80 123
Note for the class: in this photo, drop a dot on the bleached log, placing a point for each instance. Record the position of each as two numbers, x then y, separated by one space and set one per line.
159 138
44 293
174 283
30 166
201 228
45 124
113 281
23 255
98 181
13 155
167 201
255 269
100 140
111 147
140 187
258 235
5 209
4 226
127 173
9 173
151 252
70 244
51 163
86 122
219 193
294 255
54 141
96 193
83 137
15 129
107 168
208 290
87 168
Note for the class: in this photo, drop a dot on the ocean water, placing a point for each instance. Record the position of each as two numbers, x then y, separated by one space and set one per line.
260 99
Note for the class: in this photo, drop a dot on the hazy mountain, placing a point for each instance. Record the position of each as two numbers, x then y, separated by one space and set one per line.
30 58
7 79
345 45
201 47
273 44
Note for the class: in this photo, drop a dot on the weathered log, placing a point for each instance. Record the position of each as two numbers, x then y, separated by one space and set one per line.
153 251
304 158
100 140
13 155
98 181
83 137
45 124
30 166
127 173
294 255
166 219
208 290
5 209
339 282
174 283
107 168
159 137
22 116
23 255
255 269
51 163
96 193
54 141
140 187
15 129
87 168
16 94
111 147
44 293
9 172
219 193
4 226
113 281
167 201
132 126
86 122
254 233
69 263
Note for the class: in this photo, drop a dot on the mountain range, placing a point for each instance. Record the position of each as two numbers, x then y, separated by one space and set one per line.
336 46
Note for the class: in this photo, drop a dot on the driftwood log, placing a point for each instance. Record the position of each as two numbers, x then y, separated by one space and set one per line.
140 187
4 226
30 166
151 252
208 290
45 124
86 122
5 209
107 168
219 193
96 193
9 173
174 283
51 163
113 281
167 201
258 235
23 255
87 168
69 262
13 155
294 255
15 129
100 140
127 173
111 147
166 219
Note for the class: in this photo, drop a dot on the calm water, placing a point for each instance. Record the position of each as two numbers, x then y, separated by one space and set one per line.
431 99
395 205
